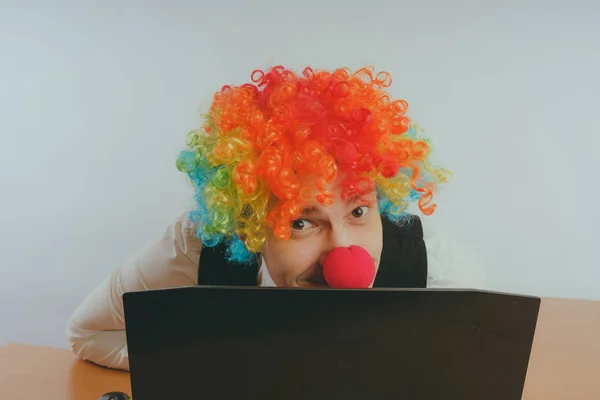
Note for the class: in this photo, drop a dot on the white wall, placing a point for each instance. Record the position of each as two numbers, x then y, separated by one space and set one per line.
95 102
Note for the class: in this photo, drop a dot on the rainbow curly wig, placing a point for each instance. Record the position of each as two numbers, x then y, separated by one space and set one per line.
268 146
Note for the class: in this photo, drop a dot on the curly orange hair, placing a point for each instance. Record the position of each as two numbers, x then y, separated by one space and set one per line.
268 146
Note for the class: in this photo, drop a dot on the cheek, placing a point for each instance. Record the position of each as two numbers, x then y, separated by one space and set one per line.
373 238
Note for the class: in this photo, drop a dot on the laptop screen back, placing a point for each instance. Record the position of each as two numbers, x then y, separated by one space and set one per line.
268 343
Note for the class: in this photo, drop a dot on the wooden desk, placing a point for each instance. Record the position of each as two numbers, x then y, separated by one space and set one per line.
565 362
31 372
565 359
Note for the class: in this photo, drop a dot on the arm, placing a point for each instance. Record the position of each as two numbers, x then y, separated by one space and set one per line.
96 330
449 263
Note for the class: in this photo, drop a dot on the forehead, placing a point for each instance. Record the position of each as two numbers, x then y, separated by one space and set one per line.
337 188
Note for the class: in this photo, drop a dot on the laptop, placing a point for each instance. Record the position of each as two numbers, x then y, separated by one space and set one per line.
284 343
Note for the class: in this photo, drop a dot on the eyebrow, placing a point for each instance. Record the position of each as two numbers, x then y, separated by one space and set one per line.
312 210
309 211
357 198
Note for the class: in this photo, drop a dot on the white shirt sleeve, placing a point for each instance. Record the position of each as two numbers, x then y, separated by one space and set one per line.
96 330
450 263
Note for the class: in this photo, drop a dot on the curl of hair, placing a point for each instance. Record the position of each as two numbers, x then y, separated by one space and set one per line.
270 145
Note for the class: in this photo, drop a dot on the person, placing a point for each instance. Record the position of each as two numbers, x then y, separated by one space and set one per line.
286 169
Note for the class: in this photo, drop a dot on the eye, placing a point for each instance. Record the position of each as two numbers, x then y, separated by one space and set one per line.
360 212
301 224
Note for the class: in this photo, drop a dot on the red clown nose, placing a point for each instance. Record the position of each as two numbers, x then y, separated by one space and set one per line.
349 267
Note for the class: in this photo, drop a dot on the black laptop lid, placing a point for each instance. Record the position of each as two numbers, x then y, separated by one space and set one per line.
269 343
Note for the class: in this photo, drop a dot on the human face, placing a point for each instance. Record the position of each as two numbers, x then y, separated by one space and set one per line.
298 261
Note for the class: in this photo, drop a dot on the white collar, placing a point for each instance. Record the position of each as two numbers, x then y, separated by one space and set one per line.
264 278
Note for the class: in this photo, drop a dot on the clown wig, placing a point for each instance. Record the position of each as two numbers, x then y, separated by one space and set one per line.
268 146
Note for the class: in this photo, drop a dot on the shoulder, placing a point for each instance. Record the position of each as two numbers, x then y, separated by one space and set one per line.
412 227
169 262
184 232
451 262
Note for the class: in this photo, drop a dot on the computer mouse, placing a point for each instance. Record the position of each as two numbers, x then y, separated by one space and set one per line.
115 396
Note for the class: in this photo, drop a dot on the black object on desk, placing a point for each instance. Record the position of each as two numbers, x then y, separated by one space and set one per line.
283 343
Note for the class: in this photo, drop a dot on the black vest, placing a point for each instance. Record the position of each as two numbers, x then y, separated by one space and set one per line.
403 261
